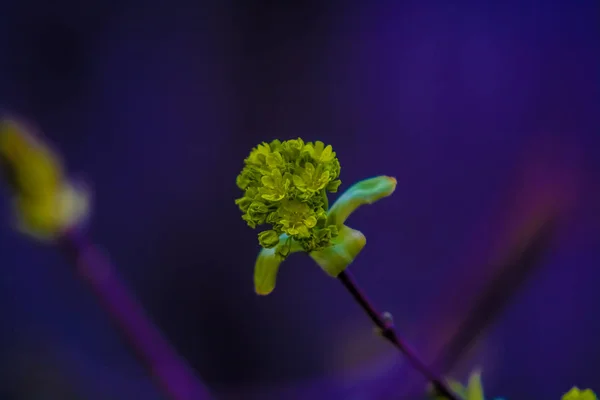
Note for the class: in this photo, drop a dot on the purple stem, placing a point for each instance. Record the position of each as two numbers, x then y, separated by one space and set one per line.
173 376
387 331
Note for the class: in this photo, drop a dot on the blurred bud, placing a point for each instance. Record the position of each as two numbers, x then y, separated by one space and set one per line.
46 203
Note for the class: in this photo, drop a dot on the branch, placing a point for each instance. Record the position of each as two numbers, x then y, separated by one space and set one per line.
171 373
50 207
387 331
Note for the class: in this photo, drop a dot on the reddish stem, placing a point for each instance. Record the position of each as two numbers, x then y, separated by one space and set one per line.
388 332
170 372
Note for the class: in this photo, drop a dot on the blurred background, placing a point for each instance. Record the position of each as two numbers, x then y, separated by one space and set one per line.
487 114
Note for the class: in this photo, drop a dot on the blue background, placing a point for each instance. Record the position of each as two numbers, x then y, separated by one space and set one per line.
485 112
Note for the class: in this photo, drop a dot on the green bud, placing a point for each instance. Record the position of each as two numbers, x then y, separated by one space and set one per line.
268 239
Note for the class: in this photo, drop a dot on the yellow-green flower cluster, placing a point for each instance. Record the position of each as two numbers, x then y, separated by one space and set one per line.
285 186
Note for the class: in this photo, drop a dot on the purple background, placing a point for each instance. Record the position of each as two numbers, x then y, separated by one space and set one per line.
484 112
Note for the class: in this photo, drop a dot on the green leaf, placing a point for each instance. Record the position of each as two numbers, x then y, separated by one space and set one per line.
367 191
473 391
458 388
344 249
268 262
474 387
265 271
577 394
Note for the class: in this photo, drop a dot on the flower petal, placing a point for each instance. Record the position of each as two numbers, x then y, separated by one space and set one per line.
268 181
364 192
336 258
310 222
327 154
268 239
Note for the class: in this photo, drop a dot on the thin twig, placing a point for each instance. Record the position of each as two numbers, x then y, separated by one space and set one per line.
388 332
523 260
171 373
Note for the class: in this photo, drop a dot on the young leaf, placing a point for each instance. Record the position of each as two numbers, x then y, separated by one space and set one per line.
473 390
346 246
367 191
46 203
474 387
577 394
268 262
265 271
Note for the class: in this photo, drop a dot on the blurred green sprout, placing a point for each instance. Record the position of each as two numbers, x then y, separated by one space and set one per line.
285 187
46 203
578 394
473 390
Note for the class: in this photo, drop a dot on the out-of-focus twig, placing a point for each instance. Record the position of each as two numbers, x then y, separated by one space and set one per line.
51 208
523 260
169 371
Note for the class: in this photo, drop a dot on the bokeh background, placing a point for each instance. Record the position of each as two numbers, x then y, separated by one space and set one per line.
486 112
